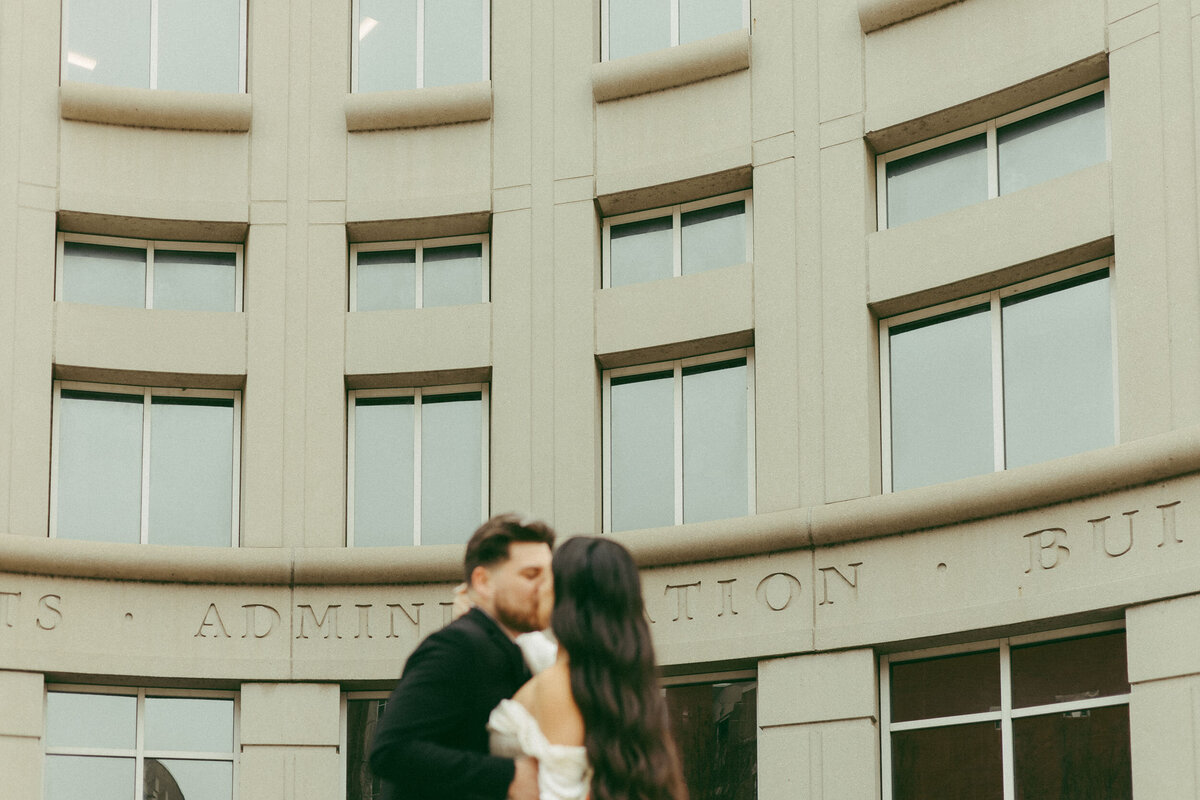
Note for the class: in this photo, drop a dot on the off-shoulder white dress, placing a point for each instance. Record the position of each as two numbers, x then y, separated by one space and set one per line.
563 770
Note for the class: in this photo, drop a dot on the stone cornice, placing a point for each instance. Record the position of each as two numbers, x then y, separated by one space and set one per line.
672 66
154 108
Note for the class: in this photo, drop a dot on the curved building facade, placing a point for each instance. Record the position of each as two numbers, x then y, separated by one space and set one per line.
871 327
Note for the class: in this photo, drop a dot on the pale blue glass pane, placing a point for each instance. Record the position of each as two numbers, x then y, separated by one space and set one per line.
383 471
190 780
941 392
640 251
453 42
699 19
199 45
387 45
936 181
104 275
713 237
1053 143
643 451
451 467
108 42
1058 376
386 279
196 724
638 26
452 276
89 778
90 720
715 448
100 467
191 471
195 280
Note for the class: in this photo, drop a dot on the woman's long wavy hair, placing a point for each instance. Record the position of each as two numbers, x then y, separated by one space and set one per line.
599 618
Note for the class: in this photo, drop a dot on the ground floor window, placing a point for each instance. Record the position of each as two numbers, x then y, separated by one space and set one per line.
1028 717
715 723
363 712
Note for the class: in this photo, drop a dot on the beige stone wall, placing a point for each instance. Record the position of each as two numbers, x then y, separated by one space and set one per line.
829 571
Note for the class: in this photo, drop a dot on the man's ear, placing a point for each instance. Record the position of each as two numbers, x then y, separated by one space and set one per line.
480 585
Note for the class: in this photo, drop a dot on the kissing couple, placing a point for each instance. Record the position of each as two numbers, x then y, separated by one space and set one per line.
470 721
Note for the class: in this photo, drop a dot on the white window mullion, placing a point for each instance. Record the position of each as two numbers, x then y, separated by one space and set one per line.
885 404
606 445
235 511
885 733
1006 725
56 449
484 454
420 44
146 429
487 40
998 447
417 467
419 286
678 416
751 464
244 48
150 275
993 161
350 473
139 745
676 242
153 44
674 22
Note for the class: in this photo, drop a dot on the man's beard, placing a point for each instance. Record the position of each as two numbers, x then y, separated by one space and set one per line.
515 617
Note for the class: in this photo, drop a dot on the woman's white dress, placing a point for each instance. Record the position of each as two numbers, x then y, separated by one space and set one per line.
563 771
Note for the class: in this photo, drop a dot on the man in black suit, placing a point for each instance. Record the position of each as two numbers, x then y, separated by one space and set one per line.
432 741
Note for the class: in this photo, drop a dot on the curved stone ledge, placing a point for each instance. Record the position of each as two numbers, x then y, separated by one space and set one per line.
154 108
419 108
876 14
672 66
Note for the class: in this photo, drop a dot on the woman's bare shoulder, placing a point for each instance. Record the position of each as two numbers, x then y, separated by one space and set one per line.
554 706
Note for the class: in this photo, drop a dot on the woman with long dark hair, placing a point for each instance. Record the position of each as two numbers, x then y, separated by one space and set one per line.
596 720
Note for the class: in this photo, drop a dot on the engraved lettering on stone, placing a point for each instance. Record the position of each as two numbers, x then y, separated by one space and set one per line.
1100 534
212 619
777 590
328 619
1047 549
727 597
253 620
681 598
415 620
49 614
447 612
1170 534
7 608
364 622
851 582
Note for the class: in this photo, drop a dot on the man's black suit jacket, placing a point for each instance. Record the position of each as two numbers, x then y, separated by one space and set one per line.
432 741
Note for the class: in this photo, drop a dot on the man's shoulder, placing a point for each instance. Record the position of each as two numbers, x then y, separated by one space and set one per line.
470 629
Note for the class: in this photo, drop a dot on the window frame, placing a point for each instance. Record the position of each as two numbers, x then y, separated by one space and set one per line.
675 212
149 246
1004 715
139 752
676 366
420 246
148 393
344 728
989 128
243 50
356 36
993 300
604 29
418 393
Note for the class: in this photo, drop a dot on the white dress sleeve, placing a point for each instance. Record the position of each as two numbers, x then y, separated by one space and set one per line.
563 771
539 649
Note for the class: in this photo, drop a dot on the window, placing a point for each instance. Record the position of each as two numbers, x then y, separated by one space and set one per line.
1004 155
140 743
679 441
136 273
677 240
630 27
418 465
156 44
413 44
1036 716
363 712
155 466
1014 377
715 724
423 274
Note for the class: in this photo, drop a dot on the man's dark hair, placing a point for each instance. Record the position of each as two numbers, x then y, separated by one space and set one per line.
489 545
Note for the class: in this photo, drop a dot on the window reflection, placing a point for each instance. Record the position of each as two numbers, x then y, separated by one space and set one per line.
716 729
362 715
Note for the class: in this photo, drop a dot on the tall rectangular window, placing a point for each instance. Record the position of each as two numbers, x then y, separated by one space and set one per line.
363 711
631 27
414 44
1018 376
679 441
677 240
715 724
419 274
1035 716
181 45
115 744
418 465
1004 155
137 273
155 466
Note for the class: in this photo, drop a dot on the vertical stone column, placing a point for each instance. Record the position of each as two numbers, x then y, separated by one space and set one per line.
290 737
1164 705
21 730
819 726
